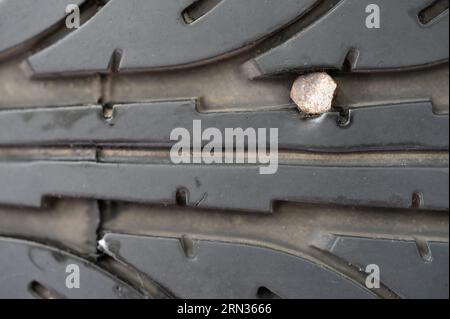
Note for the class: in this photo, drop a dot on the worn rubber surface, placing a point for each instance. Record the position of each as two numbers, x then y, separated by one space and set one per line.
337 239
214 264
176 42
411 126
348 41
37 17
35 271
376 186
86 177
183 40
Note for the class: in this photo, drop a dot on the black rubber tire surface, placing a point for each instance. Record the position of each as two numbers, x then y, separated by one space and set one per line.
86 176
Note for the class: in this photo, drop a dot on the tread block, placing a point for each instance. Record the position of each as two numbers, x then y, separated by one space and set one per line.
218 269
232 187
410 126
400 264
341 37
154 34
35 271
24 20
